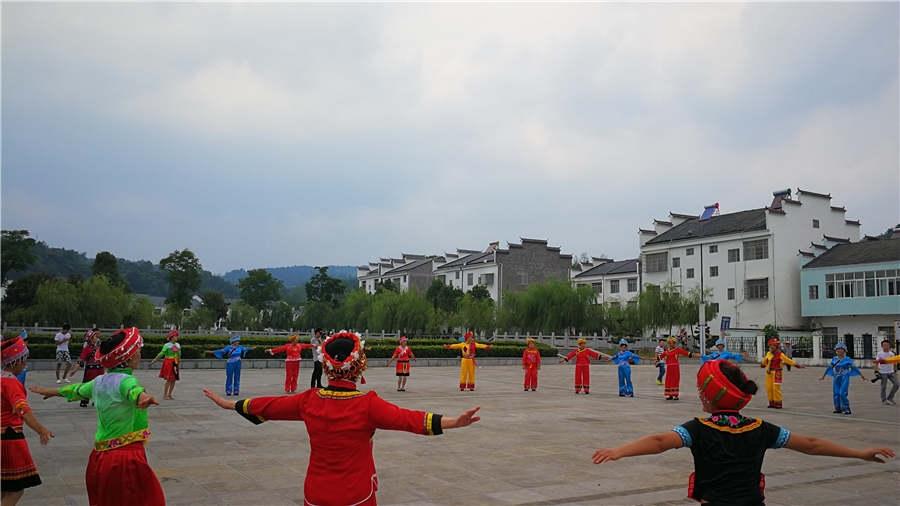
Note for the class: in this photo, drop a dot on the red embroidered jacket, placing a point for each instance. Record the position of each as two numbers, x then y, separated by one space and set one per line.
583 357
403 355
672 355
13 404
340 421
531 358
293 350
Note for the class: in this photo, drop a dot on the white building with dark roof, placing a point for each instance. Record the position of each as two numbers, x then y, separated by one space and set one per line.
409 271
614 282
747 259
519 265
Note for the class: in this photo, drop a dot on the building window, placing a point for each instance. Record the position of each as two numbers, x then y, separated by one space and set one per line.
523 278
615 304
614 286
757 289
756 250
598 287
862 284
676 262
813 292
656 262
486 279
689 273
815 223
731 294
404 278
714 248
632 303
632 284
689 251
457 274
469 277
734 255
713 271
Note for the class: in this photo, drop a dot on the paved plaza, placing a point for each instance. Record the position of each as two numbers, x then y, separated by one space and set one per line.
529 448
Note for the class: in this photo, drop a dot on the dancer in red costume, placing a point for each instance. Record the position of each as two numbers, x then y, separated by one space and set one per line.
673 369
583 356
341 422
531 363
402 354
292 362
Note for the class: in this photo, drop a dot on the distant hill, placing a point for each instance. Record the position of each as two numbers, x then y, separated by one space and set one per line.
143 276
297 275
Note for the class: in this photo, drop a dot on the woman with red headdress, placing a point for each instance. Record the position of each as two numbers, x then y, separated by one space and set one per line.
171 355
728 447
88 360
673 369
341 422
291 362
773 363
17 470
117 470
402 354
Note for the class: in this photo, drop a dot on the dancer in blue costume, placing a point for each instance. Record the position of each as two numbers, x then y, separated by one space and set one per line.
721 354
842 368
624 358
233 353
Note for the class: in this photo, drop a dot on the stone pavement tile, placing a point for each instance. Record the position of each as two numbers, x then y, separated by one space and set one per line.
254 497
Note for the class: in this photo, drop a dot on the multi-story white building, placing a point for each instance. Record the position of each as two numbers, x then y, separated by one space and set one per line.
518 266
613 282
748 260
409 271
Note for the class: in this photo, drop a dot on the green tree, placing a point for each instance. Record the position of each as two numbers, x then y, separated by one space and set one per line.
355 311
183 273
139 313
215 301
280 316
480 292
105 264
101 302
295 295
201 317
317 314
57 302
17 254
388 286
243 316
324 288
21 292
259 288
475 314
443 297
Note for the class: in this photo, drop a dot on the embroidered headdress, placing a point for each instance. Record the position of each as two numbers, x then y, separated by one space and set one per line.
131 344
582 341
468 335
172 334
623 341
234 339
530 340
14 349
841 345
672 339
293 338
774 341
344 356
718 388
402 339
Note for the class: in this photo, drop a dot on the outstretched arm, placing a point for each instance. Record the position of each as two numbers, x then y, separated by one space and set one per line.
30 420
463 420
647 445
46 393
817 446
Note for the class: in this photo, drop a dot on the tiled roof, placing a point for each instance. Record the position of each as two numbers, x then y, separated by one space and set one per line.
620 267
465 260
866 252
835 239
685 216
823 195
409 266
742 221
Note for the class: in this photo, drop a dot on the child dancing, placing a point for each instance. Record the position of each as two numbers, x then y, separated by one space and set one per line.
291 362
402 354
170 371
728 448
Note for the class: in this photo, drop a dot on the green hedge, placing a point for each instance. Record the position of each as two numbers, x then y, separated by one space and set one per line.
381 349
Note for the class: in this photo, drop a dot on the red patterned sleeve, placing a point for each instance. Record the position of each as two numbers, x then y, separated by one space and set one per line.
15 394
396 351
593 354
683 352
260 409
570 355
385 415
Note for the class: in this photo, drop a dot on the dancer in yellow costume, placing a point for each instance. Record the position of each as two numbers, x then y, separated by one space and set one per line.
467 365
774 362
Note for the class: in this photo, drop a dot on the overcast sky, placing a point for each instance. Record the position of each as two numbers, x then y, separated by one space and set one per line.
269 135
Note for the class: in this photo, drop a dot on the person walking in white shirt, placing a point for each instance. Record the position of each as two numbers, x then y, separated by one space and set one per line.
62 352
887 373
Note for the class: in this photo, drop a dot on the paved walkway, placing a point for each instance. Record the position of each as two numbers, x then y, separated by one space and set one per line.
530 448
